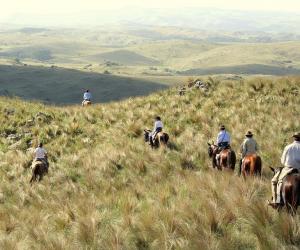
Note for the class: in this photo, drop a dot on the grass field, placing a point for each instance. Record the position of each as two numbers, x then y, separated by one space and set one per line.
106 189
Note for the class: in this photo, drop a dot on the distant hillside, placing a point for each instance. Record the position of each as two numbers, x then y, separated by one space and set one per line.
248 69
124 57
35 53
65 86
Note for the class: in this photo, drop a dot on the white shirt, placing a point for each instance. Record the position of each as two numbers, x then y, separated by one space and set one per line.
291 155
158 124
40 153
223 136
87 96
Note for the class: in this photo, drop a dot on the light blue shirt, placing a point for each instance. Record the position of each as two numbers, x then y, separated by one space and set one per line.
223 136
87 96
158 124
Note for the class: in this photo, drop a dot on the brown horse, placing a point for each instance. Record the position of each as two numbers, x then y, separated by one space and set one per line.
86 103
39 169
160 139
251 165
227 157
290 191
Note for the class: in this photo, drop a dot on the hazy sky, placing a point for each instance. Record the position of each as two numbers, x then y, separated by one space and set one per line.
9 7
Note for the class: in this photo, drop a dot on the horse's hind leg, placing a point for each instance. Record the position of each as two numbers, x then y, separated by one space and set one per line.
33 178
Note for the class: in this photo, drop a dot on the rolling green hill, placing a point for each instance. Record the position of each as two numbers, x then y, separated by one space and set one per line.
124 57
137 51
66 86
106 189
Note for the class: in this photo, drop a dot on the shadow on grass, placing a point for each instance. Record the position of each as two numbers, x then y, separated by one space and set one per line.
66 86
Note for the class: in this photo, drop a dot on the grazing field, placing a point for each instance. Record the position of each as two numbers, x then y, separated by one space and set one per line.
106 189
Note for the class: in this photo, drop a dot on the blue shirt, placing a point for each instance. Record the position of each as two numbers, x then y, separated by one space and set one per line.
223 136
87 96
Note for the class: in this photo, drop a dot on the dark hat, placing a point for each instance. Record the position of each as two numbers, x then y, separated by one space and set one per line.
222 127
249 134
297 135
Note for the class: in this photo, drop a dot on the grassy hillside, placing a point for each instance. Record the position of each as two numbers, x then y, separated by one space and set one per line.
66 86
124 57
106 189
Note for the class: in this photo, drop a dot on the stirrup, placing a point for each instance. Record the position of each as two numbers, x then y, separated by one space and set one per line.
273 204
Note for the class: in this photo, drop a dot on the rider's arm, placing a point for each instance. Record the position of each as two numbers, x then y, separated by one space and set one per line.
284 155
244 149
155 126
34 153
219 137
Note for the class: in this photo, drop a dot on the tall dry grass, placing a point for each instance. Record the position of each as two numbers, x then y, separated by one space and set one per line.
106 189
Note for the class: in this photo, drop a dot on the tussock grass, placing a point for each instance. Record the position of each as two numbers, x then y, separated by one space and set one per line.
106 189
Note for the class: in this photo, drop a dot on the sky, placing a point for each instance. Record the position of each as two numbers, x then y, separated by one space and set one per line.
73 12
10 7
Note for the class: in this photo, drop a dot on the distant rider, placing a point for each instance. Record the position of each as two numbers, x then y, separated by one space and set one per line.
158 127
248 147
41 154
290 159
87 96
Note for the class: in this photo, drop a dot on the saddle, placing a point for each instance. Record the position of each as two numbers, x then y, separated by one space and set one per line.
43 161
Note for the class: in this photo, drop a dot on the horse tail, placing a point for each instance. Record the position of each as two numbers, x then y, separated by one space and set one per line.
258 165
231 159
166 138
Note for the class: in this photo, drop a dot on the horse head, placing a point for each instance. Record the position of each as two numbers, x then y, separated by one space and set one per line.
210 150
146 134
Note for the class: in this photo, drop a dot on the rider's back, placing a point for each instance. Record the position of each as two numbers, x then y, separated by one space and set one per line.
249 147
291 155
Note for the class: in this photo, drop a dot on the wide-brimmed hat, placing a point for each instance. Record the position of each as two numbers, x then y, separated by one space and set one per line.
222 127
297 135
249 133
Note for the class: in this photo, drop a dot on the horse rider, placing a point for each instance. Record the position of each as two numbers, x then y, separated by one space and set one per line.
290 159
41 154
223 138
223 141
248 147
87 96
158 127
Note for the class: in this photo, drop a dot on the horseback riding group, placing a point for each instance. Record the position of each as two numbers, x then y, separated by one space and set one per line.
286 180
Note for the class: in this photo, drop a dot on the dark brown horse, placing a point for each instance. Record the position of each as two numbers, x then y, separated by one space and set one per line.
227 157
290 191
251 165
160 139
39 169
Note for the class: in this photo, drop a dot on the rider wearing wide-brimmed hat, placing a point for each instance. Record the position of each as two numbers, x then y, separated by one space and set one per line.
248 147
223 138
290 159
